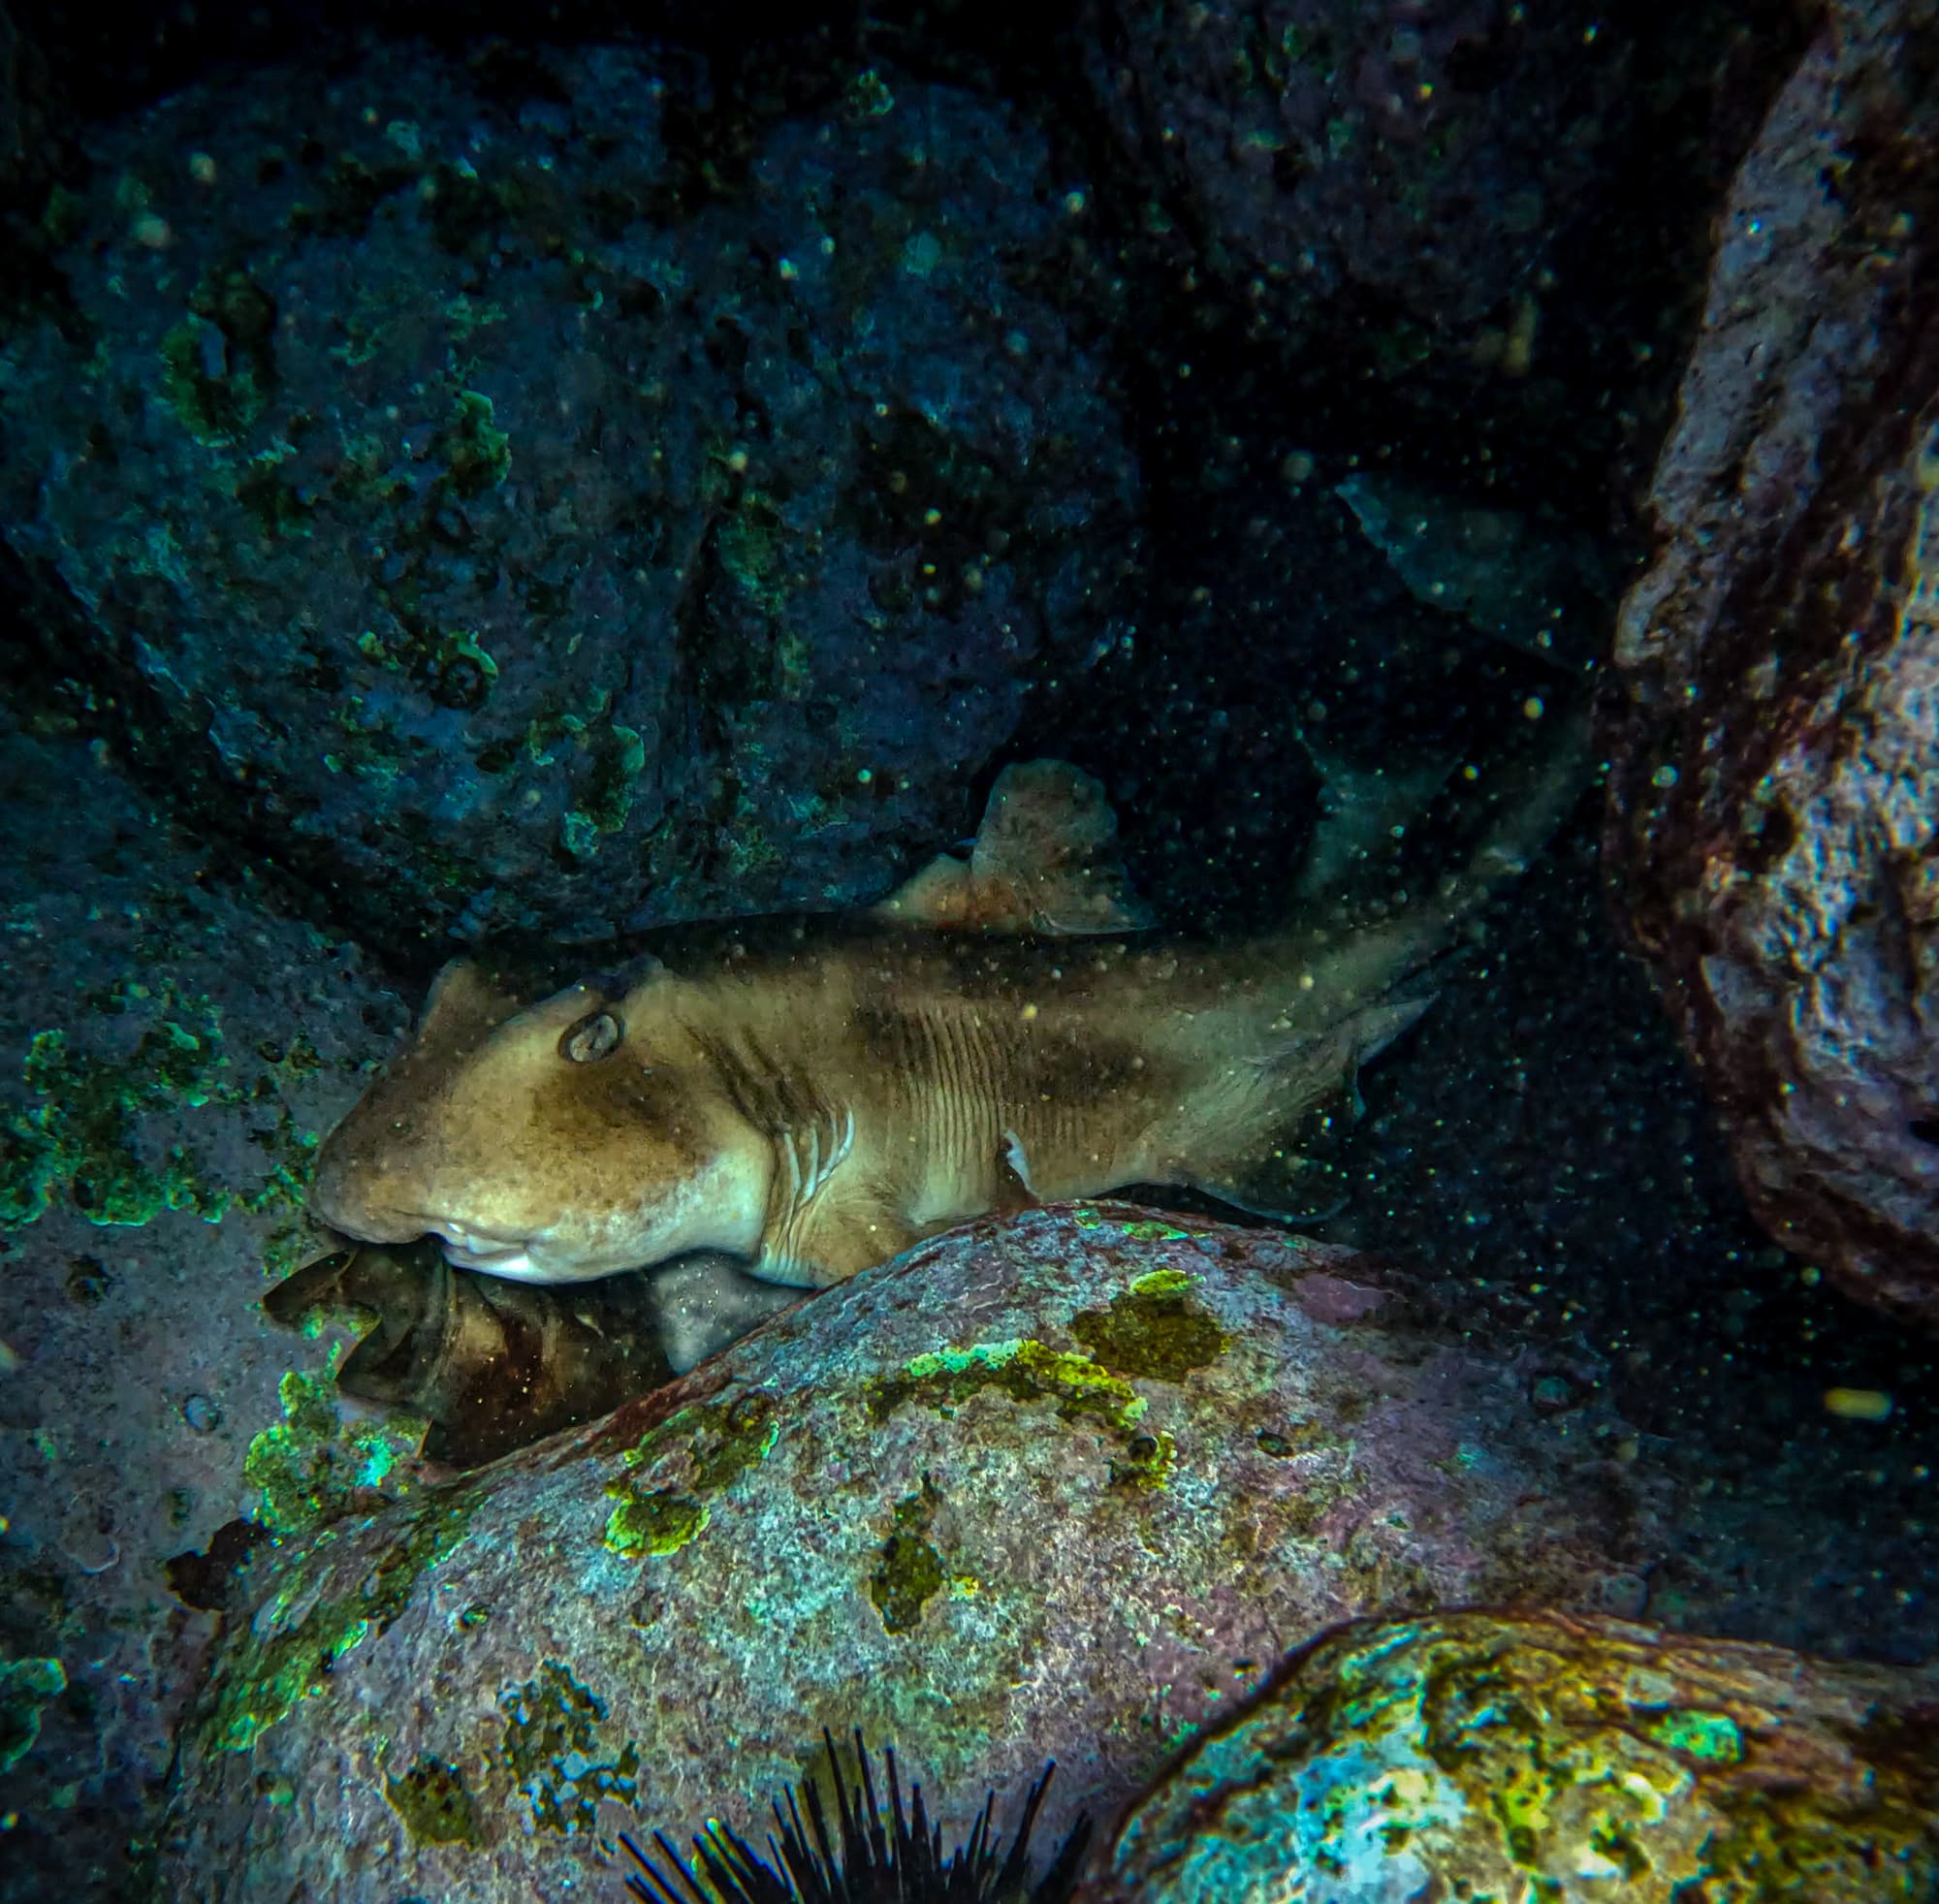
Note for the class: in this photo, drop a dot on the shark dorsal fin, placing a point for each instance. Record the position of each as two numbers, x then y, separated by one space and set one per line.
1044 861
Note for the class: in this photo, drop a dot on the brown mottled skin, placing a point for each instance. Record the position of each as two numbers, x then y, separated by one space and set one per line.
815 1096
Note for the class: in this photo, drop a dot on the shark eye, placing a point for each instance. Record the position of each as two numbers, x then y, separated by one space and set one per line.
592 1038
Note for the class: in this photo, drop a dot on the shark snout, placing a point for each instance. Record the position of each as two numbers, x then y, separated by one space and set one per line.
351 1194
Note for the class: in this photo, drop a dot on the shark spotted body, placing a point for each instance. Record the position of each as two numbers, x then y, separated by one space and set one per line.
814 1096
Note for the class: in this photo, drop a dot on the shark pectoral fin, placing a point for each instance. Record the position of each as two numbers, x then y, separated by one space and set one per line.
843 1230
1043 861
1015 1192
1363 811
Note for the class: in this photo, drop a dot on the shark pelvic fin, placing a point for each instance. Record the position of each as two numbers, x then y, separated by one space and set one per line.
1044 861
1258 1137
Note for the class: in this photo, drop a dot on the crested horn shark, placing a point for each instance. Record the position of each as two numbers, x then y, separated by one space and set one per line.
814 1096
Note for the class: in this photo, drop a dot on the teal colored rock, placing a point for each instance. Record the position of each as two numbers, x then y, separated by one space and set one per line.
1481 1757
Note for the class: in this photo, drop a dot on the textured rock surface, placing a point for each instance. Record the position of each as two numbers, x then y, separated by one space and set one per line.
1058 1486
1418 158
1775 806
1475 1755
169 1050
502 494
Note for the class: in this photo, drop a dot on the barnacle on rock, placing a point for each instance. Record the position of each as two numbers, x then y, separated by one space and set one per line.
900 1859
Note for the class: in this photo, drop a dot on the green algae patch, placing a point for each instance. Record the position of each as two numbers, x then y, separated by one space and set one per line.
450 666
215 401
719 1440
80 1138
1712 1736
286 1654
27 1688
1025 1371
655 1523
80 1135
434 1802
1148 1229
476 451
557 1752
615 756
1154 1331
908 1570
313 1467
1029 1371
1147 1462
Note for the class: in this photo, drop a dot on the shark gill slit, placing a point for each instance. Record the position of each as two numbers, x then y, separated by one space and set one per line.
958 1052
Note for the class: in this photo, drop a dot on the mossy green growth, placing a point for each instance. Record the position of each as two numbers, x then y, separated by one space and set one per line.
313 1467
1025 1369
557 1755
27 1687
450 665
279 1659
1152 1331
80 1138
719 1440
1146 1462
655 1523
754 548
1712 1736
215 396
909 1570
434 1802
616 759
1029 1371
477 452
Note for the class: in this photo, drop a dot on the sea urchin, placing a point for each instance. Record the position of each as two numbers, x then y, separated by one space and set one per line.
897 1862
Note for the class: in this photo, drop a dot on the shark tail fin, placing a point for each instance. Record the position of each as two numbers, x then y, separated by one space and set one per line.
1044 860
1489 821
1527 800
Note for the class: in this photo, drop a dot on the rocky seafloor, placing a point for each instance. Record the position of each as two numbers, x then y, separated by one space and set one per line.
1101 440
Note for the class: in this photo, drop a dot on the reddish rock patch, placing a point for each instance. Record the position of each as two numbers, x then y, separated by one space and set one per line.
1774 807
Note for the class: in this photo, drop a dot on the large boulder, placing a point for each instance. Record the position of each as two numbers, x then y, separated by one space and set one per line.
1065 1485
1476 1755
1774 808
524 497
1414 160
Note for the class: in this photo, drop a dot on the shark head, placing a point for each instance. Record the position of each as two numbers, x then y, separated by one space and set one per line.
552 1143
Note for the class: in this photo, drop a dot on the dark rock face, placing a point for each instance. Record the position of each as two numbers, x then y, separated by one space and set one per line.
523 516
1775 805
1061 1485
1473 1756
1420 158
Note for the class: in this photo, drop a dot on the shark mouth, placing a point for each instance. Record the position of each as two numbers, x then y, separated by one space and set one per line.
496 1255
